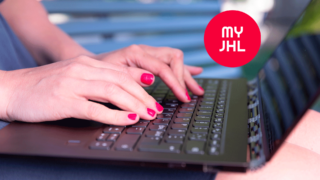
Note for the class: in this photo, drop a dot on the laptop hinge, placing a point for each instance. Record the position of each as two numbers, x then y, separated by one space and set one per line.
257 155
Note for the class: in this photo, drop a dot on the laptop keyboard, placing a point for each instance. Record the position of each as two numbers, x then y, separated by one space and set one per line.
192 128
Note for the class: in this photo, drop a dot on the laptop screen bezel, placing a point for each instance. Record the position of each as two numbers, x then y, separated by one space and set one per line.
265 139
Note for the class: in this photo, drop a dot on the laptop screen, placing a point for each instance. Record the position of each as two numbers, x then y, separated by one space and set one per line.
290 79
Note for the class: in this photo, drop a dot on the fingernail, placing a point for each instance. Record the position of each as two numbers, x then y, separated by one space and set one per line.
132 116
187 94
151 112
159 107
201 88
147 78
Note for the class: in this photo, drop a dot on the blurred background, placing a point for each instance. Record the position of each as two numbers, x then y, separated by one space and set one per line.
106 25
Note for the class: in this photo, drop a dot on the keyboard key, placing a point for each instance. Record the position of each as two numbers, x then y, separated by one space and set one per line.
220 106
201 124
214 143
184 115
174 139
219 115
140 124
154 134
195 147
194 97
161 121
170 109
216 130
218 120
193 101
159 98
186 110
213 151
164 116
177 132
217 125
172 100
169 103
102 137
204 111
221 102
135 130
126 142
182 120
208 99
215 136
202 119
113 137
209 106
187 106
207 103
204 114
220 110
168 148
199 130
166 111
198 137
170 106
211 90
209 95
101 145
150 140
206 108
114 130
179 126
158 127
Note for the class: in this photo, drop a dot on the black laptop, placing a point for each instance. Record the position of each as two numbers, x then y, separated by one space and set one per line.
236 125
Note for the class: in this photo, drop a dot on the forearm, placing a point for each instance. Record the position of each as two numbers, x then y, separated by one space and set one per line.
45 41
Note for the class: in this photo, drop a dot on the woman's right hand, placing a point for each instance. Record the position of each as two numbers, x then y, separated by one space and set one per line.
63 90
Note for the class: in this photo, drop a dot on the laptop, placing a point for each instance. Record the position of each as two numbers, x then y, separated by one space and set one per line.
237 125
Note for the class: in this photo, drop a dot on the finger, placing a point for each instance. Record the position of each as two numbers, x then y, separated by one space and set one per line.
158 68
141 76
194 70
194 87
122 80
171 56
105 91
97 112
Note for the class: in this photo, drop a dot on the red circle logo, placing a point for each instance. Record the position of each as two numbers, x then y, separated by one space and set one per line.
232 38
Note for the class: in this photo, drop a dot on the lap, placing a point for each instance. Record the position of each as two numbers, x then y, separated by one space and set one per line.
298 158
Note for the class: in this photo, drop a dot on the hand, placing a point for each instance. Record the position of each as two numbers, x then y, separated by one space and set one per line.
63 90
167 63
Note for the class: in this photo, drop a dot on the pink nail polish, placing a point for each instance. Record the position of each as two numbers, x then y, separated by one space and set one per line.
147 78
201 88
132 116
159 107
187 94
151 112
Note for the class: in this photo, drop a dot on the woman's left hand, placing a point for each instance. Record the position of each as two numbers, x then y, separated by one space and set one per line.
165 62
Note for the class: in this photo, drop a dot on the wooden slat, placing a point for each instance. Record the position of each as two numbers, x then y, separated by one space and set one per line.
114 7
181 41
218 71
158 24
197 57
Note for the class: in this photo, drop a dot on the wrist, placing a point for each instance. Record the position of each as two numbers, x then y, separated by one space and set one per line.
66 53
4 95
